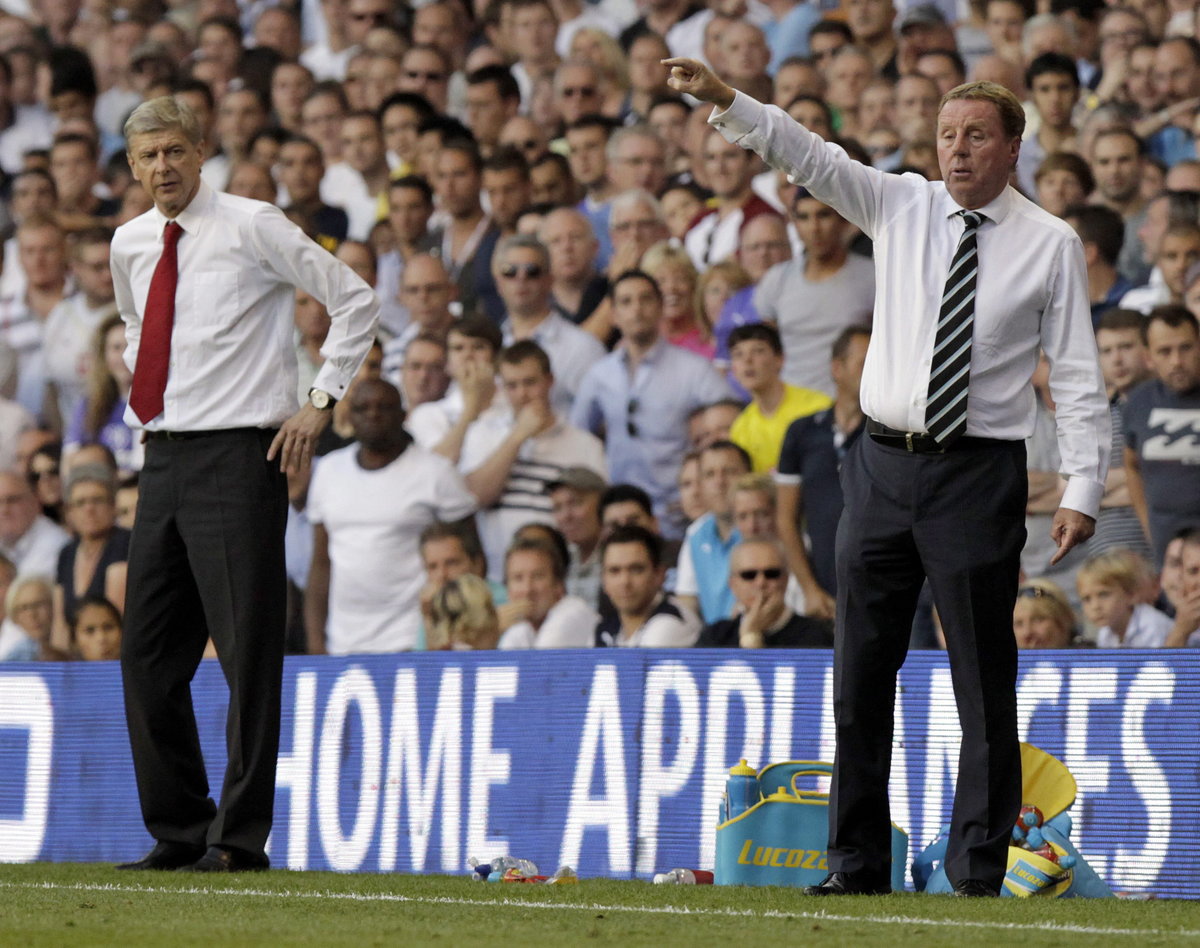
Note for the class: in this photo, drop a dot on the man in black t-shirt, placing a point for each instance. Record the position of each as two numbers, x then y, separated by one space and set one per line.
758 579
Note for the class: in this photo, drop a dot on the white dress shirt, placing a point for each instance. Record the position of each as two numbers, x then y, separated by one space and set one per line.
35 553
1031 293
233 363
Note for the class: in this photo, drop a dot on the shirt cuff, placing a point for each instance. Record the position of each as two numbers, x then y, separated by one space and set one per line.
739 119
1083 495
330 380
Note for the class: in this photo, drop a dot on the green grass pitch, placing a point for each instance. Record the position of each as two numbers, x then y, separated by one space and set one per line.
84 905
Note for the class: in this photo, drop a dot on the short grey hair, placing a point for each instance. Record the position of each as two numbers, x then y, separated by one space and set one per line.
521 242
90 474
575 63
166 113
637 197
627 133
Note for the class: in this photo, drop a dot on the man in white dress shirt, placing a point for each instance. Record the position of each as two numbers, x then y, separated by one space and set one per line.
972 280
206 285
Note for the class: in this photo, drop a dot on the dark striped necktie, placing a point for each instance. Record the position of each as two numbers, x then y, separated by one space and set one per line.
950 370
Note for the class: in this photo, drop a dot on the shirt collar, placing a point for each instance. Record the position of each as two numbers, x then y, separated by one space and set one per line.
995 210
653 354
190 217
548 328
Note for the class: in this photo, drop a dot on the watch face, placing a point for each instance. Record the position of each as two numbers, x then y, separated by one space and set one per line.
320 400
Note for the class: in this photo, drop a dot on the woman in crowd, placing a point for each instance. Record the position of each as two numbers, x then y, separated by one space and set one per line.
100 416
1043 617
45 477
30 604
96 631
462 616
672 268
99 543
595 46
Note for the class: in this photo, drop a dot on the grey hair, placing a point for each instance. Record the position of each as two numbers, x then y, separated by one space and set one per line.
638 197
627 132
90 474
521 242
166 113
575 63
19 584
1035 23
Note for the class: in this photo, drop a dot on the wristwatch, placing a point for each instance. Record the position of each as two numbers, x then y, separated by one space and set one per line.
322 401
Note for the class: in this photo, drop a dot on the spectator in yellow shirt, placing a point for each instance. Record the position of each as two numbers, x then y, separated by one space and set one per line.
756 358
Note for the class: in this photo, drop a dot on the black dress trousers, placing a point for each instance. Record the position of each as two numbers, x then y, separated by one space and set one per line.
206 559
958 518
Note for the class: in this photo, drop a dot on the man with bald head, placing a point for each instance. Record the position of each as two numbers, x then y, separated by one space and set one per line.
368 504
974 281
758 578
576 286
427 293
27 537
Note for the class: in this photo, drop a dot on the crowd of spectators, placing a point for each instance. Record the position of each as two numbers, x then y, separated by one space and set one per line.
619 359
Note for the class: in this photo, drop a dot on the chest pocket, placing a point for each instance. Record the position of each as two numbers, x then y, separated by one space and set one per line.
215 297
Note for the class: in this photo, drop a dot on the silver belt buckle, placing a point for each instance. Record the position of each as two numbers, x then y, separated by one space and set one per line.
908 442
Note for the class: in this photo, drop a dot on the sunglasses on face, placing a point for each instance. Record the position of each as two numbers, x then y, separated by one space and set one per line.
531 271
771 572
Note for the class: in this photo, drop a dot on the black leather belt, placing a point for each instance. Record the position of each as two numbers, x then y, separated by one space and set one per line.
920 443
192 435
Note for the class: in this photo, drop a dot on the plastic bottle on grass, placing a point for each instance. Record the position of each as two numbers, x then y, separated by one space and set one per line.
501 866
684 877
564 875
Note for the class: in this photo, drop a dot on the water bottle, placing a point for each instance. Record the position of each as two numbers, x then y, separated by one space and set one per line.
741 790
684 877
502 864
564 875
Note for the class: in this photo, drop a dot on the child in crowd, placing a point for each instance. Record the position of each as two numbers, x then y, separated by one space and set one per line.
1043 617
1109 589
97 630
462 616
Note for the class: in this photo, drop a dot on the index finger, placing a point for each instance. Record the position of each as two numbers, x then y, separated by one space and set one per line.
276 443
1065 543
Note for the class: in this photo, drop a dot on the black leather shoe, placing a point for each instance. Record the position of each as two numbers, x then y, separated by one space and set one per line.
849 883
166 856
228 859
974 889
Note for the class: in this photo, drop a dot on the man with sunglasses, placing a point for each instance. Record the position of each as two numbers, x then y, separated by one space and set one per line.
758 578
521 266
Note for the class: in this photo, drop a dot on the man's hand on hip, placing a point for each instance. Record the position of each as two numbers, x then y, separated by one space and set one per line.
297 439
692 77
1070 528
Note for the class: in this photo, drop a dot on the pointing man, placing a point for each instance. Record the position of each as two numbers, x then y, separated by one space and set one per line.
938 488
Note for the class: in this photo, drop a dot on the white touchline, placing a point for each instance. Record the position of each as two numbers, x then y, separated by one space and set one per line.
1059 927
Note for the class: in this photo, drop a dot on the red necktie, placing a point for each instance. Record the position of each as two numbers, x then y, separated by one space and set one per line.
154 350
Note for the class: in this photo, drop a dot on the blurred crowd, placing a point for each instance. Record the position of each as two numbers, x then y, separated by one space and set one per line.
625 355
